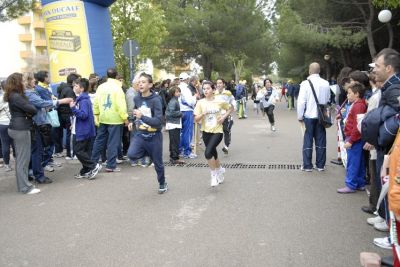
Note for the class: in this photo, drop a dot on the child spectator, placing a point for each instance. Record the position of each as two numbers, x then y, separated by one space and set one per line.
355 171
84 130
174 124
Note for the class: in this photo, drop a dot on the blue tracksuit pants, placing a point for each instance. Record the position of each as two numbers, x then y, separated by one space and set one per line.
148 145
187 132
355 172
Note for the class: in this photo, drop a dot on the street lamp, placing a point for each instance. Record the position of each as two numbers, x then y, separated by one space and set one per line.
385 16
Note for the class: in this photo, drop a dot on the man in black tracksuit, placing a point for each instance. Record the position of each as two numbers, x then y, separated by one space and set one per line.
64 115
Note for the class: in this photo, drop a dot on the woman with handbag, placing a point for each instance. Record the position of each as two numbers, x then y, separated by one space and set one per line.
43 132
19 130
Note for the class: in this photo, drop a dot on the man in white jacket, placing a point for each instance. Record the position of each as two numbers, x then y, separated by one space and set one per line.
307 113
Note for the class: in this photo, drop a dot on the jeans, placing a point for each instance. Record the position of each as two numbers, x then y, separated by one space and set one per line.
107 135
141 146
6 141
314 131
37 158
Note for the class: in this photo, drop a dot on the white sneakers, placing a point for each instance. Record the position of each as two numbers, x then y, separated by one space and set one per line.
214 180
33 191
374 220
379 223
48 168
217 177
382 226
383 242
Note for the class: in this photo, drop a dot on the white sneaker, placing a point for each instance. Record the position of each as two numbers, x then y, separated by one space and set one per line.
214 180
383 242
374 220
7 168
220 176
382 226
33 191
273 128
48 168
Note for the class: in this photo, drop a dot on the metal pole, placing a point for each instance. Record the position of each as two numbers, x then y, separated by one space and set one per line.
131 62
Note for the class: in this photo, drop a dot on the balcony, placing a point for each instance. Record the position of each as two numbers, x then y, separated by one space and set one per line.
25 54
38 24
40 43
24 20
26 37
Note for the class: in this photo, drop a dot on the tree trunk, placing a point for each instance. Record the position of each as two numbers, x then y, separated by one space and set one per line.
390 30
370 37
207 67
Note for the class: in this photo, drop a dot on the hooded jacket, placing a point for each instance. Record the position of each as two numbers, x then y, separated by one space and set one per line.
110 103
151 108
84 123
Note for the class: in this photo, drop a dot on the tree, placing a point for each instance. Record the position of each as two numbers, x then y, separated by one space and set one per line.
12 9
139 20
345 30
219 34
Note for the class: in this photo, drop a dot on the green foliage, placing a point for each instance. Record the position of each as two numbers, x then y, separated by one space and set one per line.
139 20
12 9
387 3
218 34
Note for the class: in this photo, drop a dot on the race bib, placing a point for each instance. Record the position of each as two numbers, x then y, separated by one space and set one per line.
211 121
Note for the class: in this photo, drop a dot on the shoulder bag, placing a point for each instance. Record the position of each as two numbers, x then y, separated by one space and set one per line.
325 117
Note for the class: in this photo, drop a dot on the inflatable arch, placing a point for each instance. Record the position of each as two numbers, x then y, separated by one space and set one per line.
78 37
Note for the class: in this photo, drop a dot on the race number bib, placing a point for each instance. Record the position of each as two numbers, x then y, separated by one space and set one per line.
211 121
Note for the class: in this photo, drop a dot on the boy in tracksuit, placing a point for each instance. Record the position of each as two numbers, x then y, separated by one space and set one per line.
355 171
147 140
84 130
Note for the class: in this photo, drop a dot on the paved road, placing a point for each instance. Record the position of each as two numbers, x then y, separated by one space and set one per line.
258 217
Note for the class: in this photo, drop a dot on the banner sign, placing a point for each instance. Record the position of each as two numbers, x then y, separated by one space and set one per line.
67 40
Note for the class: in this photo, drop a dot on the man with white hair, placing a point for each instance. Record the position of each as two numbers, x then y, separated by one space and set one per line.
187 102
307 113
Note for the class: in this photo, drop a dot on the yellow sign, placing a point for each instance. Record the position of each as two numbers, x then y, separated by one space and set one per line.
67 39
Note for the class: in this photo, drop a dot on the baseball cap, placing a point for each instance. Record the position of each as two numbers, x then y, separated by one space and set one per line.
183 76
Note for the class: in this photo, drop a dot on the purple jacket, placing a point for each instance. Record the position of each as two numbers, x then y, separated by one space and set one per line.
83 112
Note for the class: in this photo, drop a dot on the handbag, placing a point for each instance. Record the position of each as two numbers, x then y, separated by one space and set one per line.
52 117
325 117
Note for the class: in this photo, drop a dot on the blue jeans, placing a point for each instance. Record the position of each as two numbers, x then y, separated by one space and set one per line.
107 135
355 171
314 131
186 132
141 146
6 141
37 157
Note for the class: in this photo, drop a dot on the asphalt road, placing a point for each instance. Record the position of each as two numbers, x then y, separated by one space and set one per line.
258 217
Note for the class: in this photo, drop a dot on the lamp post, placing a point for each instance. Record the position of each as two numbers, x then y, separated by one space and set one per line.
385 16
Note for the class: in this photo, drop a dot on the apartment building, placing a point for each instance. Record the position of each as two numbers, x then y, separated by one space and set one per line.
24 47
